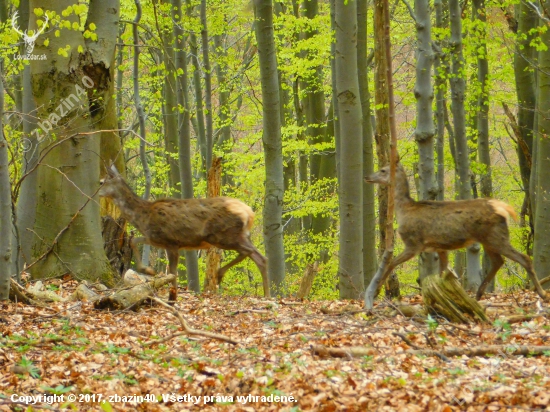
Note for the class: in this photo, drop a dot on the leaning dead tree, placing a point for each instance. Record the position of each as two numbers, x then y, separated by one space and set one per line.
381 276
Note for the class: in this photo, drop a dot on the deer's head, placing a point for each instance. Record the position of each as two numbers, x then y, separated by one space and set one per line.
111 184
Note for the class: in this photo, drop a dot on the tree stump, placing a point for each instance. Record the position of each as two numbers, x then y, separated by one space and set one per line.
117 243
444 296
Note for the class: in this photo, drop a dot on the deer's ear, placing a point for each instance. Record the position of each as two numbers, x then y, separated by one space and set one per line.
113 171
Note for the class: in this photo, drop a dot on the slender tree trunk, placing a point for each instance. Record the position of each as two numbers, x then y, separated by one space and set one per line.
274 187
382 131
541 250
369 217
207 86
184 135
199 104
350 267
524 59
224 112
482 120
424 134
27 200
5 201
458 87
440 102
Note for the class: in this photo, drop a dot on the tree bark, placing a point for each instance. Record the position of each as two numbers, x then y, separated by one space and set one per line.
5 203
67 228
184 135
350 266
207 86
458 87
482 119
541 249
274 187
369 216
424 134
382 130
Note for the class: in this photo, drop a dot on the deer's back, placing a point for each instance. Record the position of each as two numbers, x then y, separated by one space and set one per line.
451 225
196 223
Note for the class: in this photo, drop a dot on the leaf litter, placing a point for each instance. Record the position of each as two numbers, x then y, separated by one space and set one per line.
68 348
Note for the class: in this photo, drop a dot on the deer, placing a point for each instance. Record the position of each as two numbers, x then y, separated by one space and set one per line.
191 224
441 226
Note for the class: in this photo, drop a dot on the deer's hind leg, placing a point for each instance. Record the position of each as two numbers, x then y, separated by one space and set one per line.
508 251
496 264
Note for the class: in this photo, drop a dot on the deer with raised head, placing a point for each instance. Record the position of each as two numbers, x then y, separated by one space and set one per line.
175 224
440 226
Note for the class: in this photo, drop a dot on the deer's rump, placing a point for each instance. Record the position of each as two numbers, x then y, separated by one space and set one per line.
454 225
197 223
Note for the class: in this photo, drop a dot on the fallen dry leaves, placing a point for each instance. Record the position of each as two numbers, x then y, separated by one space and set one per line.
72 349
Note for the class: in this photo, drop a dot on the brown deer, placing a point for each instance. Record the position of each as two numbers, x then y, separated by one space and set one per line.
175 224
440 226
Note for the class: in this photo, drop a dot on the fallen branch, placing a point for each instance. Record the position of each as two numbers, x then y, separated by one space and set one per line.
131 297
186 329
502 350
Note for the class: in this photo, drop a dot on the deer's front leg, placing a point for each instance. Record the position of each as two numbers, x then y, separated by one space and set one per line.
137 256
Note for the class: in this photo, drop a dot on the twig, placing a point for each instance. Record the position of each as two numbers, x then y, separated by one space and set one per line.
406 340
186 329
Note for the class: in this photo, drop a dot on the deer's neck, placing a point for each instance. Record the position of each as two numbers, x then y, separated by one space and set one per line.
402 193
130 204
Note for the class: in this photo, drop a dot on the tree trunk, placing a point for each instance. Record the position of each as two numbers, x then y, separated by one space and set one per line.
184 136
424 134
524 59
224 111
350 267
5 203
213 255
458 87
27 200
482 120
382 132
67 228
541 250
199 105
440 102
207 86
274 187
369 217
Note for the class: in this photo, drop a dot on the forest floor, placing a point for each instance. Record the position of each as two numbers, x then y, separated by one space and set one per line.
97 360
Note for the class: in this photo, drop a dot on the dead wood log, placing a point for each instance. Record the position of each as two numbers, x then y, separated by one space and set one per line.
133 278
82 292
213 255
489 350
17 293
131 297
37 293
444 296
186 329
307 280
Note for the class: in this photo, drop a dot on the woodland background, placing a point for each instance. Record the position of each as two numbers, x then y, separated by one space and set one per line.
295 104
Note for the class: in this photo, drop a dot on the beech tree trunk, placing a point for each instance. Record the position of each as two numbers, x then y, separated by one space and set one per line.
541 250
458 87
5 203
274 186
67 229
350 265
424 134
369 217
184 135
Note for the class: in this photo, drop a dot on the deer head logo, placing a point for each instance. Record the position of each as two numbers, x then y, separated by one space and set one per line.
29 40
